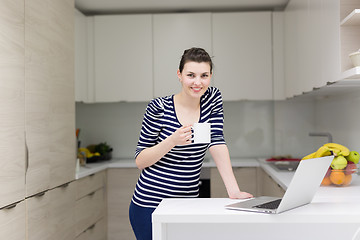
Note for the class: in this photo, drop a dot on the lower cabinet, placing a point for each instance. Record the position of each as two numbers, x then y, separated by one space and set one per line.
121 184
12 222
51 215
90 207
268 186
245 176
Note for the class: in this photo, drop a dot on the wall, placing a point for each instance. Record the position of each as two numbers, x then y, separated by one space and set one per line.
252 128
340 115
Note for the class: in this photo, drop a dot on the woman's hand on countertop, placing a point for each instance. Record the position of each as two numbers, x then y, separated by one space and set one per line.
241 195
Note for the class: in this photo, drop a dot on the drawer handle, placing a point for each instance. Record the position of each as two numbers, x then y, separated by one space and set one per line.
91 175
10 206
40 194
64 185
91 194
91 227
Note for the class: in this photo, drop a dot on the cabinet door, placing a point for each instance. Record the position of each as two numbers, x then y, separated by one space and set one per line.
121 184
123 58
81 57
37 96
242 49
173 33
245 176
94 232
62 101
270 187
37 217
12 222
12 142
61 217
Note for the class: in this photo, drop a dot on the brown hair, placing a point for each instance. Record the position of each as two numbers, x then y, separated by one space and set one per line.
195 55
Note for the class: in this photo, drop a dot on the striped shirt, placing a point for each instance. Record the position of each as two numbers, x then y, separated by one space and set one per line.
177 173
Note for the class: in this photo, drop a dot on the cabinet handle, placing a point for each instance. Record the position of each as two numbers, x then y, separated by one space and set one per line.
64 185
40 194
91 194
91 227
10 206
91 175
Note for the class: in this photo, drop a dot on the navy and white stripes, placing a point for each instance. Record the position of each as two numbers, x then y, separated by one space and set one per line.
177 174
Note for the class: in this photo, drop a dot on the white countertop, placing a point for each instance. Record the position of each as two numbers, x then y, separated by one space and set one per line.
92 168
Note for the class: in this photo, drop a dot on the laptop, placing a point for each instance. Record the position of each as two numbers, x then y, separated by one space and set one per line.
301 190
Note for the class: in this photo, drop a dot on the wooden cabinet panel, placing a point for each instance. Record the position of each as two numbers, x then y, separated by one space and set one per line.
96 231
269 187
61 218
123 58
12 137
121 184
180 31
89 184
37 217
37 98
245 176
62 100
89 210
12 222
242 47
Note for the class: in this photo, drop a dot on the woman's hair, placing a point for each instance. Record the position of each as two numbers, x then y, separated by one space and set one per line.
195 55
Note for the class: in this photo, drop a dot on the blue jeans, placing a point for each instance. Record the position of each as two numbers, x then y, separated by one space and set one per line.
140 219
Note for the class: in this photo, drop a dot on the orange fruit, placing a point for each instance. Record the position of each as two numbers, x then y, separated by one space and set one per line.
326 181
337 177
347 179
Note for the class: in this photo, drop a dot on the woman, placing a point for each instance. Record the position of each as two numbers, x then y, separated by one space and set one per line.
169 161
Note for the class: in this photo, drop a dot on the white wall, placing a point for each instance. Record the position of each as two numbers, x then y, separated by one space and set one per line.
252 128
340 115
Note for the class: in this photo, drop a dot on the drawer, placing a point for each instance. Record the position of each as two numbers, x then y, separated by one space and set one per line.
96 231
12 222
90 184
89 210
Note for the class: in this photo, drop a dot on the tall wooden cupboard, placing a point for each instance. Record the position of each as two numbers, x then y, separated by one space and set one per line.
37 119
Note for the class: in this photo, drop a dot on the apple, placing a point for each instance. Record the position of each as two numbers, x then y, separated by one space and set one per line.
328 172
353 157
339 162
350 168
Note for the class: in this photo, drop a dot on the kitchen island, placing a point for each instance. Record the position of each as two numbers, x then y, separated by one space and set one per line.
333 214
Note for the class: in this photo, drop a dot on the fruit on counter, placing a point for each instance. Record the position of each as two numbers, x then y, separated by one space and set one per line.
338 149
339 162
337 177
353 157
350 168
87 152
309 156
323 151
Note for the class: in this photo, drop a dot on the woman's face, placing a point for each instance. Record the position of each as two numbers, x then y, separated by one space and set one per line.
195 78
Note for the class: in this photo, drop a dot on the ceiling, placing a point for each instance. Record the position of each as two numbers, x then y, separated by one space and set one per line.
97 7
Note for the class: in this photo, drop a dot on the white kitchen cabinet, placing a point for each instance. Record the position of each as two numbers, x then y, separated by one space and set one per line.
12 129
121 184
81 57
123 58
173 33
12 222
245 176
312 45
242 49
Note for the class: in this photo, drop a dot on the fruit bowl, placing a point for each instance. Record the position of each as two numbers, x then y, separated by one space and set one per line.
339 177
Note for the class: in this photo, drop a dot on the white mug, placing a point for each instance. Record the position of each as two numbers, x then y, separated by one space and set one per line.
201 132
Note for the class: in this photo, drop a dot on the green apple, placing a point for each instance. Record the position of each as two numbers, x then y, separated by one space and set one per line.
339 162
353 157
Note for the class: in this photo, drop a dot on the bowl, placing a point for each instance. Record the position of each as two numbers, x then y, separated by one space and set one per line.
340 178
355 58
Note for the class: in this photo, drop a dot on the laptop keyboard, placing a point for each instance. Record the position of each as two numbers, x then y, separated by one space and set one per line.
269 205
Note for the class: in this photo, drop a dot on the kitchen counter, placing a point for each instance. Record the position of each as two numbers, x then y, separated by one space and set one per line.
92 168
333 214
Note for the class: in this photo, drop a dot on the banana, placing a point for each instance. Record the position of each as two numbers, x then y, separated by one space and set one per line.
322 151
338 149
311 155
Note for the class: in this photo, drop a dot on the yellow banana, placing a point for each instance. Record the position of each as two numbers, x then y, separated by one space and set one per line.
311 155
322 151
338 149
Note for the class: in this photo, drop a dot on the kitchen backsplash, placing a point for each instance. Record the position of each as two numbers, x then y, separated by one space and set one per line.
252 128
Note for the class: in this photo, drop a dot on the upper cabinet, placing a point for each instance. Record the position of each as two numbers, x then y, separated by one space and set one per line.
242 49
173 33
123 58
349 35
